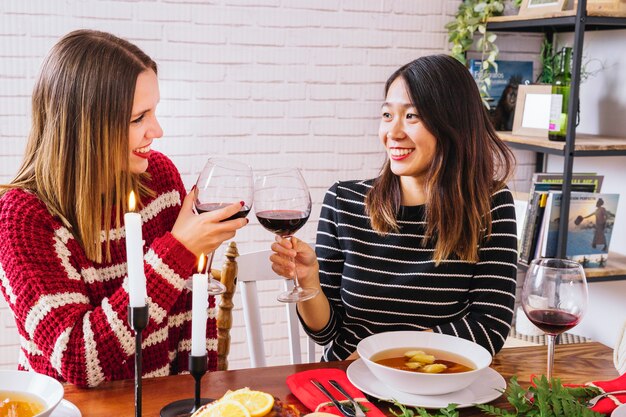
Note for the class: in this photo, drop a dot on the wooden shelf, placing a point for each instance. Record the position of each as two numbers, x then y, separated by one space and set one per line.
615 269
586 145
556 22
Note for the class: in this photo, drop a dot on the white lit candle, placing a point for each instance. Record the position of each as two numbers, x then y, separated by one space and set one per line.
134 255
200 304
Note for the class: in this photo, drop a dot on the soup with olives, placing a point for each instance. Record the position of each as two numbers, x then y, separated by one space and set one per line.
19 404
423 360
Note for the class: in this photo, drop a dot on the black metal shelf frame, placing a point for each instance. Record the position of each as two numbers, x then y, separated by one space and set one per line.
579 23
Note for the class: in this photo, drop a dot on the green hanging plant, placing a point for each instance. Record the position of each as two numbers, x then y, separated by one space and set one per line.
471 20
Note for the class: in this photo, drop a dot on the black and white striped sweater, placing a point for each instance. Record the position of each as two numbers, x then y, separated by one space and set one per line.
376 284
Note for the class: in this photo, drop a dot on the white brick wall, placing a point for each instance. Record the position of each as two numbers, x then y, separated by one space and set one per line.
269 82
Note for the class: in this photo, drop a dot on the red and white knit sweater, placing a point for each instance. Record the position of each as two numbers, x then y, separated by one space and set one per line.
71 313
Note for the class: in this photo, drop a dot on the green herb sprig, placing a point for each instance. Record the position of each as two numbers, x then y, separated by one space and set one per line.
449 411
542 399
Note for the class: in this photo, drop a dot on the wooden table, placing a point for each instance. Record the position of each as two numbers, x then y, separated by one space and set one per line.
575 363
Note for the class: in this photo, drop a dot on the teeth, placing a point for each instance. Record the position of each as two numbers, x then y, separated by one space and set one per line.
145 149
400 152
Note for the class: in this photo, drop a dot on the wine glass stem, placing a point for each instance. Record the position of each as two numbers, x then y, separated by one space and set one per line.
209 262
296 285
551 339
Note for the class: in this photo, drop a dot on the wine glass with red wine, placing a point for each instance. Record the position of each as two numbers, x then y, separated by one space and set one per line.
221 183
554 298
282 204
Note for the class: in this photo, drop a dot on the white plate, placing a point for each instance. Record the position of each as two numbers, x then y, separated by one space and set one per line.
619 411
66 409
485 389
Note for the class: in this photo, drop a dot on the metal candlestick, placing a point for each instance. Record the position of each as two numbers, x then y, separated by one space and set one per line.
138 320
197 369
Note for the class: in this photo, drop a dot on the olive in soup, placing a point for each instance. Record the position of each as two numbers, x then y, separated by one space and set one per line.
422 360
19 404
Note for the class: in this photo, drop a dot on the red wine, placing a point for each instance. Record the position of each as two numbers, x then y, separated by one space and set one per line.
553 321
282 222
204 208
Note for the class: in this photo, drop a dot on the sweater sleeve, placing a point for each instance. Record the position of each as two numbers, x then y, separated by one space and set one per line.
492 292
331 260
69 328
167 262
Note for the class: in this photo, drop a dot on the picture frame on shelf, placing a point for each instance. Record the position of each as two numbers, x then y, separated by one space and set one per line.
532 110
541 7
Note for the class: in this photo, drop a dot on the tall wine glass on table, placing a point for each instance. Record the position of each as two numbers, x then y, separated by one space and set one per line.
282 206
221 183
554 298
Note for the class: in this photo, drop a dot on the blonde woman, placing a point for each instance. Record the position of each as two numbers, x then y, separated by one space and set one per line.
63 259
430 244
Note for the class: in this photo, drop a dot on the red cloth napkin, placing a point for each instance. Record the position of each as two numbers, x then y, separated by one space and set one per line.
607 404
301 386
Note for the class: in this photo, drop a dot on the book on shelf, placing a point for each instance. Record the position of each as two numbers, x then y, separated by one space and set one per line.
534 232
532 224
590 227
577 178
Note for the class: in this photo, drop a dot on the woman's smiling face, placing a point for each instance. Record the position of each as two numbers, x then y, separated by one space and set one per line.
144 126
410 146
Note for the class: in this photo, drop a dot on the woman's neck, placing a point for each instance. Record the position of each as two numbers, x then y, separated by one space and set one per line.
413 191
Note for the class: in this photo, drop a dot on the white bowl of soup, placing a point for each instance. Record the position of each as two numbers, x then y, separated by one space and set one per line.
28 394
423 363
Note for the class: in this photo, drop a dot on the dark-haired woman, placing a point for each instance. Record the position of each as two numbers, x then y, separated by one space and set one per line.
431 243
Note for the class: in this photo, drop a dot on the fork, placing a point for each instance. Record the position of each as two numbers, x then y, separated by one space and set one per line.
598 397
343 409
358 412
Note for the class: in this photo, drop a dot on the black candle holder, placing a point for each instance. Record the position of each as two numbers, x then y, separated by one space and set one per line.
138 320
181 408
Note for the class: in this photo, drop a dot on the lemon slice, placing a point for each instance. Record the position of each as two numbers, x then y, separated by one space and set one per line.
223 408
258 403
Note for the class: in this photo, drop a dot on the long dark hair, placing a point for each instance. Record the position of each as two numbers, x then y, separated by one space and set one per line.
469 165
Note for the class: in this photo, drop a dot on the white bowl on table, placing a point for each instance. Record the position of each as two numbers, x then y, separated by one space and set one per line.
418 382
47 390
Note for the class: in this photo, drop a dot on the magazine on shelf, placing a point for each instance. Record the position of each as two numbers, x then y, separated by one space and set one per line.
590 227
509 74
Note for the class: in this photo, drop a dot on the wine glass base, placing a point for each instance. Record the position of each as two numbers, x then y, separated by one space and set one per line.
297 294
182 408
215 287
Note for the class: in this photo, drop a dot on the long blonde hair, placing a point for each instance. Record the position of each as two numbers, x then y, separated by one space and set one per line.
77 156
469 165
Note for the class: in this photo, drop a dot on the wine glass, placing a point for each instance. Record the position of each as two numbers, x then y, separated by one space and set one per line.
282 206
221 183
554 298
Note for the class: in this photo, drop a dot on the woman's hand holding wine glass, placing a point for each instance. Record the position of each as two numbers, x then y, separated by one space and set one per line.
203 234
554 298
282 206
222 198
293 257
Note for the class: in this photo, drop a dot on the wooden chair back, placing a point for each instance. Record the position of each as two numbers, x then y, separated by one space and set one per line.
228 276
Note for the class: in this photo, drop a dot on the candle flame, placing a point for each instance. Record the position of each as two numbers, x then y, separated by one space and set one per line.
201 261
131 201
